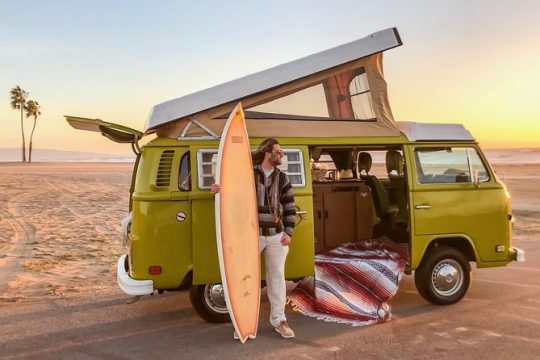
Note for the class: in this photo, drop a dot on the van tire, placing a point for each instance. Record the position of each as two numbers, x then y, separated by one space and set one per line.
206 301
443 276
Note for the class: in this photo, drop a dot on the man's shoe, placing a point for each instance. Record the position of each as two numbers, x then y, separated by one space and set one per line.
284 330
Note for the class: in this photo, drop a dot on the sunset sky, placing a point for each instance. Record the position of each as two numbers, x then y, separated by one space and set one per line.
471 62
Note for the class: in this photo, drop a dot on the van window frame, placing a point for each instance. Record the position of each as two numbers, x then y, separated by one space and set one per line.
300 161
185 161
201 175
200 164
467 148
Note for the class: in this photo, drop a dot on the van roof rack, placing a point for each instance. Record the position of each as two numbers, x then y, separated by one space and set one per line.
415 131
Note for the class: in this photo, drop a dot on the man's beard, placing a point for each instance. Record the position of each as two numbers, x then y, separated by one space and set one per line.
276 161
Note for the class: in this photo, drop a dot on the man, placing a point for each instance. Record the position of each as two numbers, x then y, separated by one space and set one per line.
276 210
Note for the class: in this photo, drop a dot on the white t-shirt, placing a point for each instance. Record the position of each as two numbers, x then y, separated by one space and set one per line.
267 173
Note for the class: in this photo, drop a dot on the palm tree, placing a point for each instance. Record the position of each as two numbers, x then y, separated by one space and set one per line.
32 109
18 101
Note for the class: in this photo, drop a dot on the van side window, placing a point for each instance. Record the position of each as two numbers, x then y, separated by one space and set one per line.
449 165
293 166
184 176
206 163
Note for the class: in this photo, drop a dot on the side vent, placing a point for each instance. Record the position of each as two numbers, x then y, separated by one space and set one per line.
164 170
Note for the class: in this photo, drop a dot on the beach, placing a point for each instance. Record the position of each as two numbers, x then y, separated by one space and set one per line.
60 224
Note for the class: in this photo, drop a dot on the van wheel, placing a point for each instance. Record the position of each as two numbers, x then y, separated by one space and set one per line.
443 277
209 302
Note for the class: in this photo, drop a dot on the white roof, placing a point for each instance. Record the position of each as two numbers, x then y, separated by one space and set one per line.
433 132
238 89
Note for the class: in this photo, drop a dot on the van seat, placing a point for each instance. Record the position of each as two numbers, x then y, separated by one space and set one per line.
380 196
394 167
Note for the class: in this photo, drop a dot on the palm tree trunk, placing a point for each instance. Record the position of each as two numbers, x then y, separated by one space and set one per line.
22 130
30 145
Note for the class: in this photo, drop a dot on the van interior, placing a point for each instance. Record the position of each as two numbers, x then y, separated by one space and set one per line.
359 194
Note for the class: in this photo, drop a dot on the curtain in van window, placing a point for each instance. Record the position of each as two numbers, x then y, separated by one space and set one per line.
336 90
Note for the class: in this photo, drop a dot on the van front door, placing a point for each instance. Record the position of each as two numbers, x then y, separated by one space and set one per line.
455 195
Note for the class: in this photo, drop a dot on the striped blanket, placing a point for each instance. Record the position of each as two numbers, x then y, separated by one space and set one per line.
352 283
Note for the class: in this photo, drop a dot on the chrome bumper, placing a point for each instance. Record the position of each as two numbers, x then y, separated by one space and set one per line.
131 286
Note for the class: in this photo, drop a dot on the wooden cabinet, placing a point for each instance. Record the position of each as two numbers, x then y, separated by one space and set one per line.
343 213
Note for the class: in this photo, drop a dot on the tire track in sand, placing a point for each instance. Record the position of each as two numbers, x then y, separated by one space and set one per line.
19 248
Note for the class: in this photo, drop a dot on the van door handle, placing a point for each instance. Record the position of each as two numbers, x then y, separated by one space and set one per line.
423 206
302 214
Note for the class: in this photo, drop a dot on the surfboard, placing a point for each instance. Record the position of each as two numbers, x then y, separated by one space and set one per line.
237 227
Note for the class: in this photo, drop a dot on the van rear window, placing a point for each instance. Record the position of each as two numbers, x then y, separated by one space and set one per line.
293 166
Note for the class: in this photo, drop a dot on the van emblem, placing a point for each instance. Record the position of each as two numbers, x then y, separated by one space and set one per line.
180 217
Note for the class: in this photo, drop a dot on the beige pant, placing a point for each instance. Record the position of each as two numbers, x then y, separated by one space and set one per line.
275 255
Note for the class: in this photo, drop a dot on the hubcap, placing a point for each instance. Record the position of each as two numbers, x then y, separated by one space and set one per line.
447 277
215 298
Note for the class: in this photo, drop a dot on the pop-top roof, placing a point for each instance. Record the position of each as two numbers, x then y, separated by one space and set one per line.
262 81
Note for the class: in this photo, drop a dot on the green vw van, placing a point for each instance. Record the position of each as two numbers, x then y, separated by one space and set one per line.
356 173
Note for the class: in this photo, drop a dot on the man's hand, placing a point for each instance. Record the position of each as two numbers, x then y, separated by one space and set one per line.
215 188
286 239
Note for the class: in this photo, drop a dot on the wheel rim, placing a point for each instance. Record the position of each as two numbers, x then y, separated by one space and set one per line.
447 277
215 298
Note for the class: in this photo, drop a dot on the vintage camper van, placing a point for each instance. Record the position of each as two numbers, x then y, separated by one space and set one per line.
356 174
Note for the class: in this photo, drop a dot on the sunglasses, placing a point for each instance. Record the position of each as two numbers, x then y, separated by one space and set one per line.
278 152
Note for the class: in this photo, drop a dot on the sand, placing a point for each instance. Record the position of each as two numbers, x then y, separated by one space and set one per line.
523 184
60 222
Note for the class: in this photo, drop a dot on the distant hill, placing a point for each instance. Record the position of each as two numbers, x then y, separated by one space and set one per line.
497 156
513 156
48 155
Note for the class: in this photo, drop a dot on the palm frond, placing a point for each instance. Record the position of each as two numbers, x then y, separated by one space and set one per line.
18 97
33 109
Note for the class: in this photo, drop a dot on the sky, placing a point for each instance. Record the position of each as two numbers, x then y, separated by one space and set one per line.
474 62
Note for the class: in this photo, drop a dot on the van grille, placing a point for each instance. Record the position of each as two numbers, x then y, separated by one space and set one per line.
164 170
